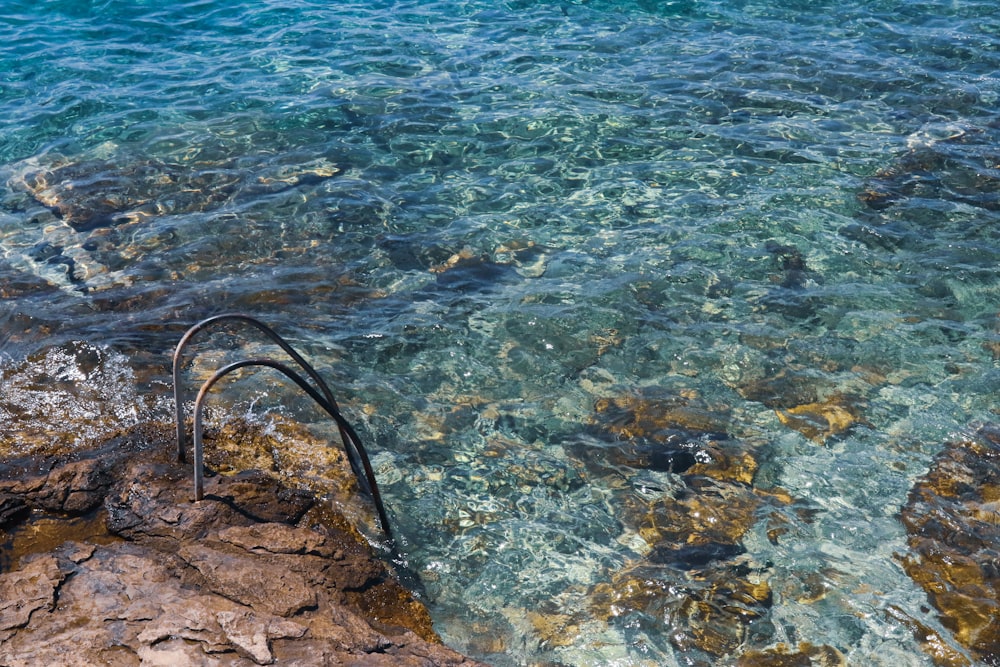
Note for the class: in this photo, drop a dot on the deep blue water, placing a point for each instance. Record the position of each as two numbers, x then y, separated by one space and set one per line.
480 218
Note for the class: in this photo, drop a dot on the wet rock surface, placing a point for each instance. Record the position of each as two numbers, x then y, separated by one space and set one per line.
108 561
954 538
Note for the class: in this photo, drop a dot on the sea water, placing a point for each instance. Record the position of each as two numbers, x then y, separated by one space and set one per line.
480 218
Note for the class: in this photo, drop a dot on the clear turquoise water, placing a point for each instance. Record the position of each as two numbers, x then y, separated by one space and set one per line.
625 169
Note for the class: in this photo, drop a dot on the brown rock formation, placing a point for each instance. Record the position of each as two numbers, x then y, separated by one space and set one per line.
954 527
807 655
108 561
696 583
806 404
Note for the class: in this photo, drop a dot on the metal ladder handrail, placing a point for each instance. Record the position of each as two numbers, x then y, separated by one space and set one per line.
245 319
350 448
330 408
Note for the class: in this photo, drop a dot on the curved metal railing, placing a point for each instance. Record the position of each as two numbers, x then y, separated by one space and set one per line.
244 319
321 394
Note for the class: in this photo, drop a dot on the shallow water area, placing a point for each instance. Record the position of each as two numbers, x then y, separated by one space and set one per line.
651 314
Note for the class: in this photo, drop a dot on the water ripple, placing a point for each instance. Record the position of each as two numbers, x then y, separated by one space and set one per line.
486 218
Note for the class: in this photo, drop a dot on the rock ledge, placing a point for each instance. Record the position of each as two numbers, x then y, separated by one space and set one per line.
107 561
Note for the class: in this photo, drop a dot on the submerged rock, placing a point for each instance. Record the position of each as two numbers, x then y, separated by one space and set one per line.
821 420
931 642
695 583
947 166
805 403
256 573
466 272
709 611
807 655
90 220
952 520
937 164
97 193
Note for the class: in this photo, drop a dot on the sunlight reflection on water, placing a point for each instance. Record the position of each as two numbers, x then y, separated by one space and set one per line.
770 227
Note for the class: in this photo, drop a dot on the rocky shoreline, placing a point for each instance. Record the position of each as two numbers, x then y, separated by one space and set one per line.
108 561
